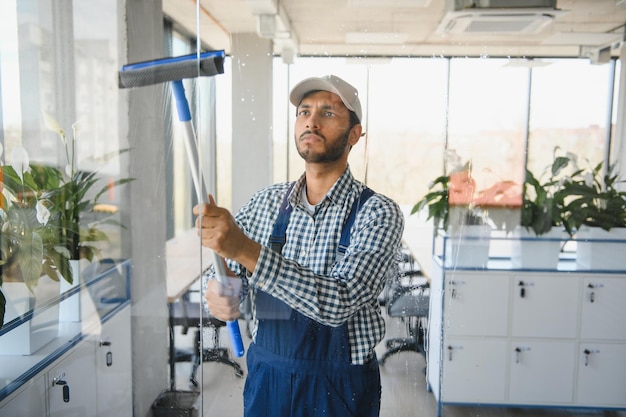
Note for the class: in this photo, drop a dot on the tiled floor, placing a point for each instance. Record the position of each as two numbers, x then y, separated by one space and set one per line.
404 390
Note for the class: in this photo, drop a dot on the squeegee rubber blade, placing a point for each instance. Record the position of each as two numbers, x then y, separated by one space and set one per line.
156 74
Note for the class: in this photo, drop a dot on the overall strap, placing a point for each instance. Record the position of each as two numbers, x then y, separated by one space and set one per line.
278 237
344 241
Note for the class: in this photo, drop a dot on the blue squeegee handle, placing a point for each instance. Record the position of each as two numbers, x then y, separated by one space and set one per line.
184 116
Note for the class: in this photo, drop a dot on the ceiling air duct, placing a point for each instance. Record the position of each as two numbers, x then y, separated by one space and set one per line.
497 16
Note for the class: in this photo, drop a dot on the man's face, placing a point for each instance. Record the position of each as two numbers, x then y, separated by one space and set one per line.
322 130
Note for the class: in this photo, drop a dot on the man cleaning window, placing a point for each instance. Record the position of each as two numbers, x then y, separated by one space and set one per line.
316 318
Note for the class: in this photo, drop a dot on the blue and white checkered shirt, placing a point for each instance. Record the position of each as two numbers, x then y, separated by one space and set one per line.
306 276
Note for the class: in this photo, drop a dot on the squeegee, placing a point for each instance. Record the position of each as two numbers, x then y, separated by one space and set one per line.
174 70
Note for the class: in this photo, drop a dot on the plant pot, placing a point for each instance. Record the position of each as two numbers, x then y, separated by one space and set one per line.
599 249
529 251
69 308
42 328
468 247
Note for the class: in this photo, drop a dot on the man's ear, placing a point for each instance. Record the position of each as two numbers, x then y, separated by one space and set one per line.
355 135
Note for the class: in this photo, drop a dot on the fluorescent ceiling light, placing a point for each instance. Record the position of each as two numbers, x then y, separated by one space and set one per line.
381 38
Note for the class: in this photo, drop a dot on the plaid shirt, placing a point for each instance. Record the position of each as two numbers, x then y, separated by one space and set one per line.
307 278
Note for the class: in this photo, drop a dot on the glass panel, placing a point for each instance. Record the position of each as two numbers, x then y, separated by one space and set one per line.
64 177
407 126
487 122
65 121
581 124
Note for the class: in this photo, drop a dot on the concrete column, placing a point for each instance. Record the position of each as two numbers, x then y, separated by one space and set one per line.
252 116
142 121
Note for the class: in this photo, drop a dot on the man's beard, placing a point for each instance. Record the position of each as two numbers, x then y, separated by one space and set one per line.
332 154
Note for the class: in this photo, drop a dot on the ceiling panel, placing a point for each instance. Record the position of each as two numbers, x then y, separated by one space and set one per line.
321 27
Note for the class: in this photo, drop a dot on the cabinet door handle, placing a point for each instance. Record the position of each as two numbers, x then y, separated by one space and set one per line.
592 294
588 353
109 354
522 287
518 352
450 353
66 389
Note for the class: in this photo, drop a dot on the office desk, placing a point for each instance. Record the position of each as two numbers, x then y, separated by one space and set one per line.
185 259
183 256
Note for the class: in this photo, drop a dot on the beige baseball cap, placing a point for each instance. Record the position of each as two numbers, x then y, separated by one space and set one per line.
331 83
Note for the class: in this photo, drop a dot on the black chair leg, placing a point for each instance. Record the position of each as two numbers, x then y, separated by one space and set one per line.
414 343
212 354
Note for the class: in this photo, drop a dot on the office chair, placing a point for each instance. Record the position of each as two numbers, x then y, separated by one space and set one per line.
407 296
186 313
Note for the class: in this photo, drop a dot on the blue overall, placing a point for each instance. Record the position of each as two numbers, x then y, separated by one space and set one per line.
298 367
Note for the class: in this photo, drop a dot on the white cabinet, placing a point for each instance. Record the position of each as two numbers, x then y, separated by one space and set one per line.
71 383
510 337
603 297
462 357
86 369
541 372
470 310
113 364
544 305
602 374
91 379
28 401
95 378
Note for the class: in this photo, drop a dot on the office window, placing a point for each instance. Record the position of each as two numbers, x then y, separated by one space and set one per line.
57 62
570 108
406 134
487 118
498 113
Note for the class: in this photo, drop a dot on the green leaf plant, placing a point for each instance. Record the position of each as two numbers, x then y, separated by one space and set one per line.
593 198
40 209
543 199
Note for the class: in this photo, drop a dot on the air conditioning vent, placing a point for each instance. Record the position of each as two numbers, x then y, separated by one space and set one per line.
505 21
498 16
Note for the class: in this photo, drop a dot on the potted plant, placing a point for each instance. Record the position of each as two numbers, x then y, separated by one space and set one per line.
595 211
540 235
40 207
449 203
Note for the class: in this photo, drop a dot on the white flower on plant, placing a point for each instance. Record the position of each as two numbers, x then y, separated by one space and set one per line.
53 125
43 214
20 161
589 179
